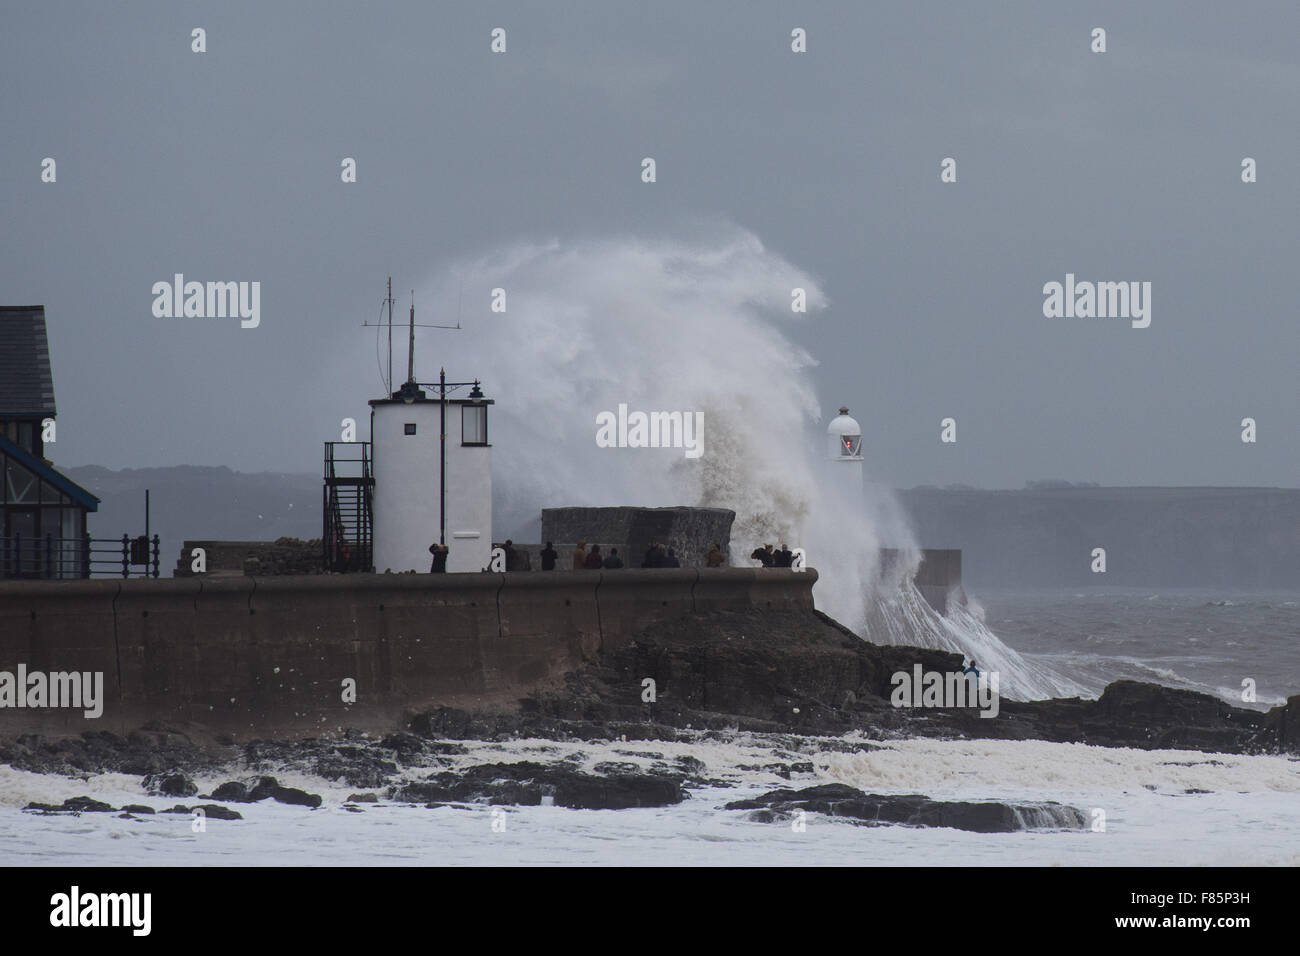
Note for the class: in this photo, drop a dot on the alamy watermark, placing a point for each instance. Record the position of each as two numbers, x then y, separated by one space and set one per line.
968 688
75 908
1101 300
208 300
57 689
651 430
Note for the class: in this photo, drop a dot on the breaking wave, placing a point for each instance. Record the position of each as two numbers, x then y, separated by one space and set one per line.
697 324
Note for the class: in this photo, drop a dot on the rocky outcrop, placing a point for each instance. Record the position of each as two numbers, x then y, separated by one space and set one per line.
531 784
80 805
142 752
174 784
794 672
262 789
915 810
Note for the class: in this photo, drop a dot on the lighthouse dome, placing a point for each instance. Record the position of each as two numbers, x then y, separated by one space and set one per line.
844 437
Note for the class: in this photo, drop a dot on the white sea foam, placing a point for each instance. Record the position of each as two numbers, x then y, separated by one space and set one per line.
1250 817
902 615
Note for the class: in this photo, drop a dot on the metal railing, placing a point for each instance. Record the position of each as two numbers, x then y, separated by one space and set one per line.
57 558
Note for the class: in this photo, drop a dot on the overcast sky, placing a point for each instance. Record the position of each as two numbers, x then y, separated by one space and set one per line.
1123 165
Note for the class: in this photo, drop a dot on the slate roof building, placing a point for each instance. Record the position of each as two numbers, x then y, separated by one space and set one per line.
42 513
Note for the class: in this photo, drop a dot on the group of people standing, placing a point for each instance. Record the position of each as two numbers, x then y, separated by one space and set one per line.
583 559
656 556
782 557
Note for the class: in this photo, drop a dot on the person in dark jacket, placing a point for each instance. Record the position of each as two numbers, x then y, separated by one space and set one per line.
613 561
764 555
548 557
512 559
653 556
593 561
670 560
783 558
439 552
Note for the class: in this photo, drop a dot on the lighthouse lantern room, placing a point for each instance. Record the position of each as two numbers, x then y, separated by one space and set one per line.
844 437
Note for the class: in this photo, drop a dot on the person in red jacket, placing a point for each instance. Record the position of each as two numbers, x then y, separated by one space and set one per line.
594 561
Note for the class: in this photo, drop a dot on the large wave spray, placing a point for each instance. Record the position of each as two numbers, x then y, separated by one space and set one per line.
666 325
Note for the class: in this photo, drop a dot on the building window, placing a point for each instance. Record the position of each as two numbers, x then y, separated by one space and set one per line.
473 425
410 428
27 435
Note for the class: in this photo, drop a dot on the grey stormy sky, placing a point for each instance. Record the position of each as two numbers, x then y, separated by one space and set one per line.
1116 166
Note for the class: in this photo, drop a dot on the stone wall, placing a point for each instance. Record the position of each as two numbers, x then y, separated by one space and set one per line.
255 558
258 656
688 531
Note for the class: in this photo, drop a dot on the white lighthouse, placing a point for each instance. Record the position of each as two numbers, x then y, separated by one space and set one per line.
432 466
844 469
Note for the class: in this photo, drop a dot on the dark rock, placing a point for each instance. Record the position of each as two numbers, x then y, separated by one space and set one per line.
406 745
97 751
86 805
355 766
839 800
616 766
525 783
173 784
73 805
216 811
270 787
363 798
138 808
232 791
690 765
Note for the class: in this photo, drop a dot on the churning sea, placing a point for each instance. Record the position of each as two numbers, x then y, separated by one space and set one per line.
1158 807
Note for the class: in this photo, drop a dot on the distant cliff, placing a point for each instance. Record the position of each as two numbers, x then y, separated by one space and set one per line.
1153 537
191 501
1041 536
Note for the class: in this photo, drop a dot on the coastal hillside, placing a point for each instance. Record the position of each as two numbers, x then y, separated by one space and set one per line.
1153 537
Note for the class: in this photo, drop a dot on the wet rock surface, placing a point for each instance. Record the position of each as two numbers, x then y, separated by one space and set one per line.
528 783
264 788
150 750
915 810
801 673
175 784
78 805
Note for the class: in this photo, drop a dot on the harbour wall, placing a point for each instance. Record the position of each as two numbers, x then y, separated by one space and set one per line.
250 657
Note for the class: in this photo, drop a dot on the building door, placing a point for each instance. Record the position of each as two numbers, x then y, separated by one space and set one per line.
22 545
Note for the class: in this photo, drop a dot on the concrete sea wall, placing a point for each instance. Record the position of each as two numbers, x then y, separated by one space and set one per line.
689 531
254 657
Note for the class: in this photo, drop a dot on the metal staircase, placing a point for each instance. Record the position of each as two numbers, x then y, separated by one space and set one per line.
348 517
